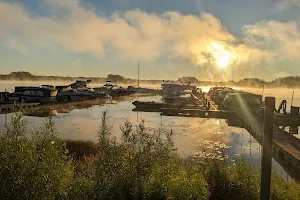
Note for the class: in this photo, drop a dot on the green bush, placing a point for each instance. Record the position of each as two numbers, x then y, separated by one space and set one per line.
35 167
227 181
175 180
282 190
141 165
84 184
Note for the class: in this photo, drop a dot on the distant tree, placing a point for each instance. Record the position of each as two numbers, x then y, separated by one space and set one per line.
21 75
290 81
251 82
187 79
115 78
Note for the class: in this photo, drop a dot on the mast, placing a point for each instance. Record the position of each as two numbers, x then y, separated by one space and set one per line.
263 89
138 73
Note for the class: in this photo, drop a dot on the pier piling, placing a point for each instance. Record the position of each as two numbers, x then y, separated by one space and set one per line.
294 113
266 164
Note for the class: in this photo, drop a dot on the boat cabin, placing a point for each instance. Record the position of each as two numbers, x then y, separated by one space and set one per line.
42 95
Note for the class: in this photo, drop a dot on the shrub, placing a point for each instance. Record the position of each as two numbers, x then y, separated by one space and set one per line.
282 190
175 180
143 166
35 167
227 181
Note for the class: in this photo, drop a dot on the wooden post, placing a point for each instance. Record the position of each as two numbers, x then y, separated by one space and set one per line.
266 164
294 113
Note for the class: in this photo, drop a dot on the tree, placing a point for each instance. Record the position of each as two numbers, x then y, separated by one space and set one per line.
21 75
115 78
187 79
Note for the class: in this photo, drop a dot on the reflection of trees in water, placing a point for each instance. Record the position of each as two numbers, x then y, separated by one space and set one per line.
53 110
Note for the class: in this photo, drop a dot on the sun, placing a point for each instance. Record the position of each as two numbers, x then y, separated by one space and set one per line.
223 62
220 54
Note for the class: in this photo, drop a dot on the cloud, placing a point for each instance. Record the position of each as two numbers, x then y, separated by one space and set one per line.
16 45
280 40
130 35
285 4
137 35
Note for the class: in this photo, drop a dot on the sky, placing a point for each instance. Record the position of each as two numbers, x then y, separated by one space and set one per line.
207 39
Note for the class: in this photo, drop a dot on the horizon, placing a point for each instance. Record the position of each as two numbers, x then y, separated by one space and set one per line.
133 79
198 38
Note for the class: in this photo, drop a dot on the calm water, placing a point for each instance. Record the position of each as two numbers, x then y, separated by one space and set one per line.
193 137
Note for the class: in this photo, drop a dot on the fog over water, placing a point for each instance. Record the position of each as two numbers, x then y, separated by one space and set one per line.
193 136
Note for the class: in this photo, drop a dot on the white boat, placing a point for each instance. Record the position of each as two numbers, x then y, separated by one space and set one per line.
114 90
67 93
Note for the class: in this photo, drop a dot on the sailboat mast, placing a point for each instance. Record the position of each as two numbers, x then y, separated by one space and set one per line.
138 73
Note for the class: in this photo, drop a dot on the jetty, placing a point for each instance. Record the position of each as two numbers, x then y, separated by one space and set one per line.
285 147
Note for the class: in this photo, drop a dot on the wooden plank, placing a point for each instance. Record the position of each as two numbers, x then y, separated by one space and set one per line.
287 142
286 147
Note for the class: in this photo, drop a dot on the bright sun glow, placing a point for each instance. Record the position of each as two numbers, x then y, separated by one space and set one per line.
221 56
223 61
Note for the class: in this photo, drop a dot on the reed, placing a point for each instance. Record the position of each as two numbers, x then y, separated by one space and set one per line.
80 149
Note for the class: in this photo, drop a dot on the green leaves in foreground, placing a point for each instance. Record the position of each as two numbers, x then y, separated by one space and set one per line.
142 164
33 167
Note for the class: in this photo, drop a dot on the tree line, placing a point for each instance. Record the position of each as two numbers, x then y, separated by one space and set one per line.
290 81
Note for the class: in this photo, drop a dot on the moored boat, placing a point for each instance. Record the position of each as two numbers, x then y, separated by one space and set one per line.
114 90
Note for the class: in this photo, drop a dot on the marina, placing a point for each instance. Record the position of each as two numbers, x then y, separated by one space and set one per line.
187 100
198 105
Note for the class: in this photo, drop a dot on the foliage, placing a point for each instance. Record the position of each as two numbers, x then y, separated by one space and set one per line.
282 190
124 166
227 181
115 78
20 74
290 81
79 150
142 164
175 180
188 79
33 168
251 82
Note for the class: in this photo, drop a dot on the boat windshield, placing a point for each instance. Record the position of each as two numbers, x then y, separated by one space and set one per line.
66 89
115 87
53 93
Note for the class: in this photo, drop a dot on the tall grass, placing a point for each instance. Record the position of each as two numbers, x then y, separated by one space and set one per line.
141 165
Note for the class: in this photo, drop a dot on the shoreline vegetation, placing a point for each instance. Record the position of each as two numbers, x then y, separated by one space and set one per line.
284 82
142 164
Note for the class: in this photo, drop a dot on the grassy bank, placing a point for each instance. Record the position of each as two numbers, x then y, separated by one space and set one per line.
142 165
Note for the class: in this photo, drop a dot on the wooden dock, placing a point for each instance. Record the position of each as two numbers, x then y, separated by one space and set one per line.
286 147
